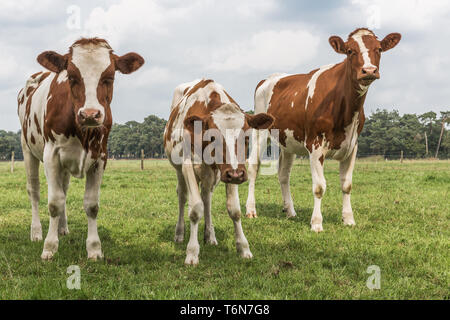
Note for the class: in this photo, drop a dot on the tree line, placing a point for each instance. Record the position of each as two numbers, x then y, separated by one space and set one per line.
386 133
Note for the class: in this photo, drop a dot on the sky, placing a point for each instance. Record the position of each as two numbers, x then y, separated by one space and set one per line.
235 42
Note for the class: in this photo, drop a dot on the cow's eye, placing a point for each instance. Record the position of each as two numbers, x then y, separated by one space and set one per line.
349 51
108 81
73 80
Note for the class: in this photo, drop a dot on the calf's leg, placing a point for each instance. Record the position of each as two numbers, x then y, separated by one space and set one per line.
319 186
32 171
91 206
196 210
182 197
63 229
56 202
206 194
254 162
346 172
234 211
284 172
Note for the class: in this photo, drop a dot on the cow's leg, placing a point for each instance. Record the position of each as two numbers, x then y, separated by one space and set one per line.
32 170
63 229
196 210
182 194
206 193
346 172
254 162
284 172
91 206
234 210
56 202
319 186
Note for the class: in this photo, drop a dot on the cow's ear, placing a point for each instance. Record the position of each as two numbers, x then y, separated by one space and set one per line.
129 62
189 122
260 121
390 41
52 61
338 44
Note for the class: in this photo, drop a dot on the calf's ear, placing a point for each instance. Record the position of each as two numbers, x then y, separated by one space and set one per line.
337 44
260 121
129 62
189 122
52 61
390 41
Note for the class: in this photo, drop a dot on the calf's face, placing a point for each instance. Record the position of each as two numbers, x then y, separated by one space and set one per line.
228 127
90 67
363 51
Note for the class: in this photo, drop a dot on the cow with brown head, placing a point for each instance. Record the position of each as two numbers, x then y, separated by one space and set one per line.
66 119
206 141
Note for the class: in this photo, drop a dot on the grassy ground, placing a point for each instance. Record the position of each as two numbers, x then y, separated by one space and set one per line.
401 210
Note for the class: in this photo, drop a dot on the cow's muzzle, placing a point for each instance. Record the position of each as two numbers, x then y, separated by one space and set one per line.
90 118
234 176
367 75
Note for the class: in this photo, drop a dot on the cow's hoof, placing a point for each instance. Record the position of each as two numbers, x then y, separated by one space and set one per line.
63 231
95 255
246 254
317 227
191 260
349 222
290 214
347 219
179 238
251 215
212 241
47 255
36 233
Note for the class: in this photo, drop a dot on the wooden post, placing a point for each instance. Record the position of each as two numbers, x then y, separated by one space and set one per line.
12 162
440 137
142 159
401 156
426 145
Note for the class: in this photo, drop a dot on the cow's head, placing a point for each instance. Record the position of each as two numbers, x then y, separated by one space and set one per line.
363 51
90 67
230 124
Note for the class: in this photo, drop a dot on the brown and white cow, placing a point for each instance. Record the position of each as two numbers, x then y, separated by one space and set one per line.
204 117
66 118
321 114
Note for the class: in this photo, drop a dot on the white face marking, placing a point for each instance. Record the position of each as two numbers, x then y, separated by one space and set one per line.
292 104
362 47
62 76
92 61
312 82
230 120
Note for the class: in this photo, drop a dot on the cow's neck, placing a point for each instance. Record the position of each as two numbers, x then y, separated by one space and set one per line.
355 93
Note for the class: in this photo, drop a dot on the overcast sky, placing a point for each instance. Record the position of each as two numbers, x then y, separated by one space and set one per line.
235 42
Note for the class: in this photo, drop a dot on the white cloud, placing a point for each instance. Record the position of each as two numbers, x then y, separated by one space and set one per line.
267 50
413 14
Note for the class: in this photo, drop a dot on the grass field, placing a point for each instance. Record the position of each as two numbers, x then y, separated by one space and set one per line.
401 210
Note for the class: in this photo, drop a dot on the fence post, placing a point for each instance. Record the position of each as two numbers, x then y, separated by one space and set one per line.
142 159
12 162
401 156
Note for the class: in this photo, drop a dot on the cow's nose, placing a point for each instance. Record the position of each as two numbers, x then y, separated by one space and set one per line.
90 114
235 176
90 117
370 71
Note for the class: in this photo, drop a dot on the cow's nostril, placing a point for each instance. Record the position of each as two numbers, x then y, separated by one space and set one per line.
98 115
83 115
